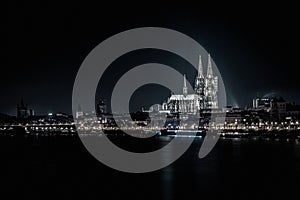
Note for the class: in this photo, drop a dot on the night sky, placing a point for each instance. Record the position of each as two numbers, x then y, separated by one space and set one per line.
255 48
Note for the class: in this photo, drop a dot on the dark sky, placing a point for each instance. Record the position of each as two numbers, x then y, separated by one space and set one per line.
255 47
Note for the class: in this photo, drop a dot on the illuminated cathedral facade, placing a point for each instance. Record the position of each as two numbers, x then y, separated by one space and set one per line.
204 95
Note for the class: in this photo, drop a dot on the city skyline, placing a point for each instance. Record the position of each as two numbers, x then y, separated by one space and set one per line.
254 54
150 100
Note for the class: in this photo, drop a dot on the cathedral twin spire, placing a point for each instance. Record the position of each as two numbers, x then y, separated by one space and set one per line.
200 79
204 96
200 68
209 68
205 87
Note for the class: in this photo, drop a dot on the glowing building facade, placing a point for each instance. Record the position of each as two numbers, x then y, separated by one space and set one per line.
204 95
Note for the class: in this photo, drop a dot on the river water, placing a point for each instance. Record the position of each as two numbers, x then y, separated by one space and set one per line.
61 167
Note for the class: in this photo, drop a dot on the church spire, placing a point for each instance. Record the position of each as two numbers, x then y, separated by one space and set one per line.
184 89
209 67
200 68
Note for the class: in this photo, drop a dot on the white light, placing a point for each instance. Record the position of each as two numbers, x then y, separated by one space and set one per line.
50 114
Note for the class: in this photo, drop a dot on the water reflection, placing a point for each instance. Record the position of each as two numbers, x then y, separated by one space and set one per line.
234 169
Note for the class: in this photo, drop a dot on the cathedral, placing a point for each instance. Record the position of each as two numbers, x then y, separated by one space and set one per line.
204 95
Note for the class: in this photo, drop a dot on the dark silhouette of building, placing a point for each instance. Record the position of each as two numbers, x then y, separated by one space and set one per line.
23 111
101 107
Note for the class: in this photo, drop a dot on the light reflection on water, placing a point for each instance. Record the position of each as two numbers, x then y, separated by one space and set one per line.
234 169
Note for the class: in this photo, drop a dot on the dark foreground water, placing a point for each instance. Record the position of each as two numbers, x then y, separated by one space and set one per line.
60 167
